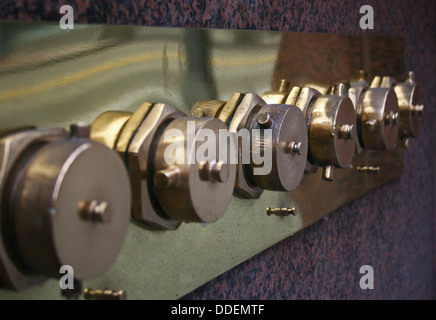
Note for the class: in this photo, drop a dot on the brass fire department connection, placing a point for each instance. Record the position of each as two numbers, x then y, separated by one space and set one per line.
64 200
165 194
377 114
331 124
287 145
411 106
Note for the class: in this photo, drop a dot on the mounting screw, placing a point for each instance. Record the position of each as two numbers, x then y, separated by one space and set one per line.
281 212
368 169
104 294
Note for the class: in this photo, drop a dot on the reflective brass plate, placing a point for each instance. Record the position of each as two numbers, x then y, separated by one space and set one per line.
53 77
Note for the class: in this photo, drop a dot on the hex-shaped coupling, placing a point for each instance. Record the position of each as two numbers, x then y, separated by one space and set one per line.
139 139
272 141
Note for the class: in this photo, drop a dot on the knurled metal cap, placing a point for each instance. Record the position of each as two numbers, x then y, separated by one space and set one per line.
288 144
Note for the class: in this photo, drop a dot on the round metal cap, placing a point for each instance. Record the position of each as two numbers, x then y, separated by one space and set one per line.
245 113
192 182
379 119
71 206
283 148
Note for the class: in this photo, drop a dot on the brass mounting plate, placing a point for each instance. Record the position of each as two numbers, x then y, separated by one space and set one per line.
53 77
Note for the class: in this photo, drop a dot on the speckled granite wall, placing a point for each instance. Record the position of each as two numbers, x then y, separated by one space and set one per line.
392 228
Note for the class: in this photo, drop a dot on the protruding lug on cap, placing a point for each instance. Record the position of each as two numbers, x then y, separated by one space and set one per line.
411 76
392 118
264 120
363 75
220 171
94 210
295 147
388 82
376 82
281 212
345 132
167 178
417 110
104 294
340 89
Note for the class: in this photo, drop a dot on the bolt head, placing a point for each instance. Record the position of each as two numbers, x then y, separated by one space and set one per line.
392 117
